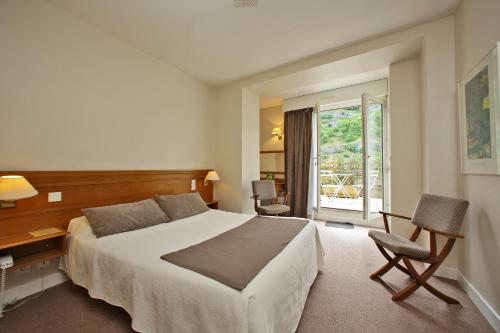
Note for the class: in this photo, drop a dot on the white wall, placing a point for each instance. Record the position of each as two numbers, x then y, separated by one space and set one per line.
270 118
439 122
250 148
477 32
439 109
73 97
237 147
228 148
405 118
349 93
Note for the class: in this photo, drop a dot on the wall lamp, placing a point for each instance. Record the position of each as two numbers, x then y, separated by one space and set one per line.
276 131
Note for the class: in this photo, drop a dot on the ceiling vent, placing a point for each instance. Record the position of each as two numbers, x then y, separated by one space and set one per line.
245 3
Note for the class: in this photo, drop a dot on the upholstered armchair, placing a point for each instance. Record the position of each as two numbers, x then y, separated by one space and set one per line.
266 200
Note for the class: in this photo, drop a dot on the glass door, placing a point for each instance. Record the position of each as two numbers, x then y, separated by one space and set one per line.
351 172
341 157
373 156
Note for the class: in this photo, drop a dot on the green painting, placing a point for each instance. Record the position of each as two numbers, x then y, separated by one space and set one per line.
477 113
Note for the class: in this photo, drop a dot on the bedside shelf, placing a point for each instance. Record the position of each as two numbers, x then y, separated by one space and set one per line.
272 151
37 257
214 204
25 238
28 250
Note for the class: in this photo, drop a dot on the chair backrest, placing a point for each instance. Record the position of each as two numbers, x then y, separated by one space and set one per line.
266 191
440 213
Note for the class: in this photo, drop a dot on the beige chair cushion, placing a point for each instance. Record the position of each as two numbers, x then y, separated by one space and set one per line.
265 189
399 245
273 209
440 213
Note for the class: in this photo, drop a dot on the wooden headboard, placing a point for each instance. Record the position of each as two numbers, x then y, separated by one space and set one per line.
81 189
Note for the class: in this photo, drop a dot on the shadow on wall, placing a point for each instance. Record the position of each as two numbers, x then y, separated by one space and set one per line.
271 118
489 248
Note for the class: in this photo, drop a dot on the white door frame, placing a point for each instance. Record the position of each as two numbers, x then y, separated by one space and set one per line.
355 217
365 101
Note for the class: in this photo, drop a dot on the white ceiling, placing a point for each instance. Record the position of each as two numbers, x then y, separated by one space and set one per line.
218 43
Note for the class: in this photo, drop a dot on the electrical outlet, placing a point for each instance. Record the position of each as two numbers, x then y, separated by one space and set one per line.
25 269
55 196
43 264
193 184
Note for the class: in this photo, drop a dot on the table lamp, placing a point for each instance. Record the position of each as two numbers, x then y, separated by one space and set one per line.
211 176
13 188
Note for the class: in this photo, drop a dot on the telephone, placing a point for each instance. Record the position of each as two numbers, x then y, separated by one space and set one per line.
6 262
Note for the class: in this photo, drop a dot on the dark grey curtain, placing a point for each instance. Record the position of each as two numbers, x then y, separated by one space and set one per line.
298 132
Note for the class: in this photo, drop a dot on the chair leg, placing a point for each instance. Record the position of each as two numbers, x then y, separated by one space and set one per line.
392 262
384 269
437 293
421 280
405 292
412 287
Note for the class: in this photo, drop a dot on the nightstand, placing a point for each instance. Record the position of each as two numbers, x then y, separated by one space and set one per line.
214 204
28 249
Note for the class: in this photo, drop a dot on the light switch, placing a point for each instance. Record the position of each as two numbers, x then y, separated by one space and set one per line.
55 196
193 184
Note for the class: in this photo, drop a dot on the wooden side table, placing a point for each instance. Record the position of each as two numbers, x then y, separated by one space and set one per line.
28 250
214 204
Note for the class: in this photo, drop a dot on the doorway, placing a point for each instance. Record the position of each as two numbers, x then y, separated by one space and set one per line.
352 168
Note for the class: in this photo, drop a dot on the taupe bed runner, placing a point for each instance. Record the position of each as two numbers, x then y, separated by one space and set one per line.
236 256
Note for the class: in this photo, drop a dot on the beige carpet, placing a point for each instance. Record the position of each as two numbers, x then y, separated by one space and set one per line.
343 299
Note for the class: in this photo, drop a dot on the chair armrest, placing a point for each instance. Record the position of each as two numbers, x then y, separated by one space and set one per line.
255 198
386 223
444 233
395 215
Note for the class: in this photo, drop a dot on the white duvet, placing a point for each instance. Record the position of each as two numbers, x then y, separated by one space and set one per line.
126 270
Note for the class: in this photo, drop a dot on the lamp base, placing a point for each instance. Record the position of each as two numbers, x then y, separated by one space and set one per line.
7 204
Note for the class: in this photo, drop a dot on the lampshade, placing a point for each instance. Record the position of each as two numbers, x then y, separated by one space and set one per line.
15 188
212 175
276 131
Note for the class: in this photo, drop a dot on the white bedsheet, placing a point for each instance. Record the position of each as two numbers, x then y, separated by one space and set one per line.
126 270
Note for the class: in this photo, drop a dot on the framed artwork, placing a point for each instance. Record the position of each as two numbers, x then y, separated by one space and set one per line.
479 106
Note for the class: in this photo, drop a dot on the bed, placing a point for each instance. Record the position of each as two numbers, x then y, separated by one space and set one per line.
126 270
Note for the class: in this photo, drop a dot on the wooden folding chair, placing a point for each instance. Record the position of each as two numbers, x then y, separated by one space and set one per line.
436 214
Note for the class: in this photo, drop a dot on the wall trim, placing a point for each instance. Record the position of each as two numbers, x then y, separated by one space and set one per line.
34 285
484 307
447 272
373 224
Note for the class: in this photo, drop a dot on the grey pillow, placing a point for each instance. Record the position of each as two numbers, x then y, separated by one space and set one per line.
179 206
109 220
